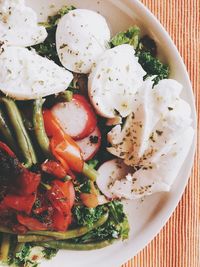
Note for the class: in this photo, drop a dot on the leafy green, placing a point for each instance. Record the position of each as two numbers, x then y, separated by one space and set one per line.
49 253
53 20
93 163
22 257
153 66
131 36
116 227
48 47
146 52
87 216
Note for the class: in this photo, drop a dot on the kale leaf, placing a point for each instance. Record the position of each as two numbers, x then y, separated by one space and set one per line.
131 36
153 66
87 216
49 253
117 225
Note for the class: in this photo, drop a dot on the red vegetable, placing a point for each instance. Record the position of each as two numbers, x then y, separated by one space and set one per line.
31 223
76 118
7 149
20 203
54 168
68 191
58 200
61 221
28 182
90 144
63 147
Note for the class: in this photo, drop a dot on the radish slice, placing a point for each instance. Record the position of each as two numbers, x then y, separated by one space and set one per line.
108 173
76 117
90 145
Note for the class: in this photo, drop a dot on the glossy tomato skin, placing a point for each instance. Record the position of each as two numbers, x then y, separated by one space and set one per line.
91 121
20 203
31 223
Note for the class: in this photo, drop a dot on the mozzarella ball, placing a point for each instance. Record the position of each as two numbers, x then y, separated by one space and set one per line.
82 36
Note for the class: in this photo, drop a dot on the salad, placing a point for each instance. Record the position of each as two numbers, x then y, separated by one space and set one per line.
86 120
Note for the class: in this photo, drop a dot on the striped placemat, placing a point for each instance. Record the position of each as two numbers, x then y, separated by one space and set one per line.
178 244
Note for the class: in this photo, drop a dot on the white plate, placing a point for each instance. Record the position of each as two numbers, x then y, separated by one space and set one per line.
149 216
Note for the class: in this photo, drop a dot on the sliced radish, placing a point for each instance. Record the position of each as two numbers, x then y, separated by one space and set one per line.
108 173
76 117
90 144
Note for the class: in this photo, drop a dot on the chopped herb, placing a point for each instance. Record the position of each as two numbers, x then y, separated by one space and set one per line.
159 132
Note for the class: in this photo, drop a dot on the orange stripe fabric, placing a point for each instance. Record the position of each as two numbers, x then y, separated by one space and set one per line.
178 244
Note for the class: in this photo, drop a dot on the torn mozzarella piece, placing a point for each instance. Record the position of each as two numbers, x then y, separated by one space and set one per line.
158 118
25 75
81 37
157 177
18 24
114 82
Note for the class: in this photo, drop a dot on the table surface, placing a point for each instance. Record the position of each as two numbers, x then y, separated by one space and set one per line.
178 244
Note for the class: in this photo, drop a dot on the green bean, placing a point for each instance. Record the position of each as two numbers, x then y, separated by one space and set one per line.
23 139
18 248
89 172
6 132
5 247
6 230
65 96
74 246
37 236
39 129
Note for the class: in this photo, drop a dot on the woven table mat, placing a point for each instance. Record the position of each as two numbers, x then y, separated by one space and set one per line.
178 244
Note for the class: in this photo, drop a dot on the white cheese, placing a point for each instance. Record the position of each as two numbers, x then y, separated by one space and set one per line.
114 81
25 75
82 36
18 24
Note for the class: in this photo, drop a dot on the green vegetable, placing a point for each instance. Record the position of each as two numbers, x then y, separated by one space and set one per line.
5 247
131 36
65 96
153 66
6 132
21 134
39 129
53 20
120 218
74 246
38 236
93 163
4 229
49 253
87 216
21 256
115 227
89 172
